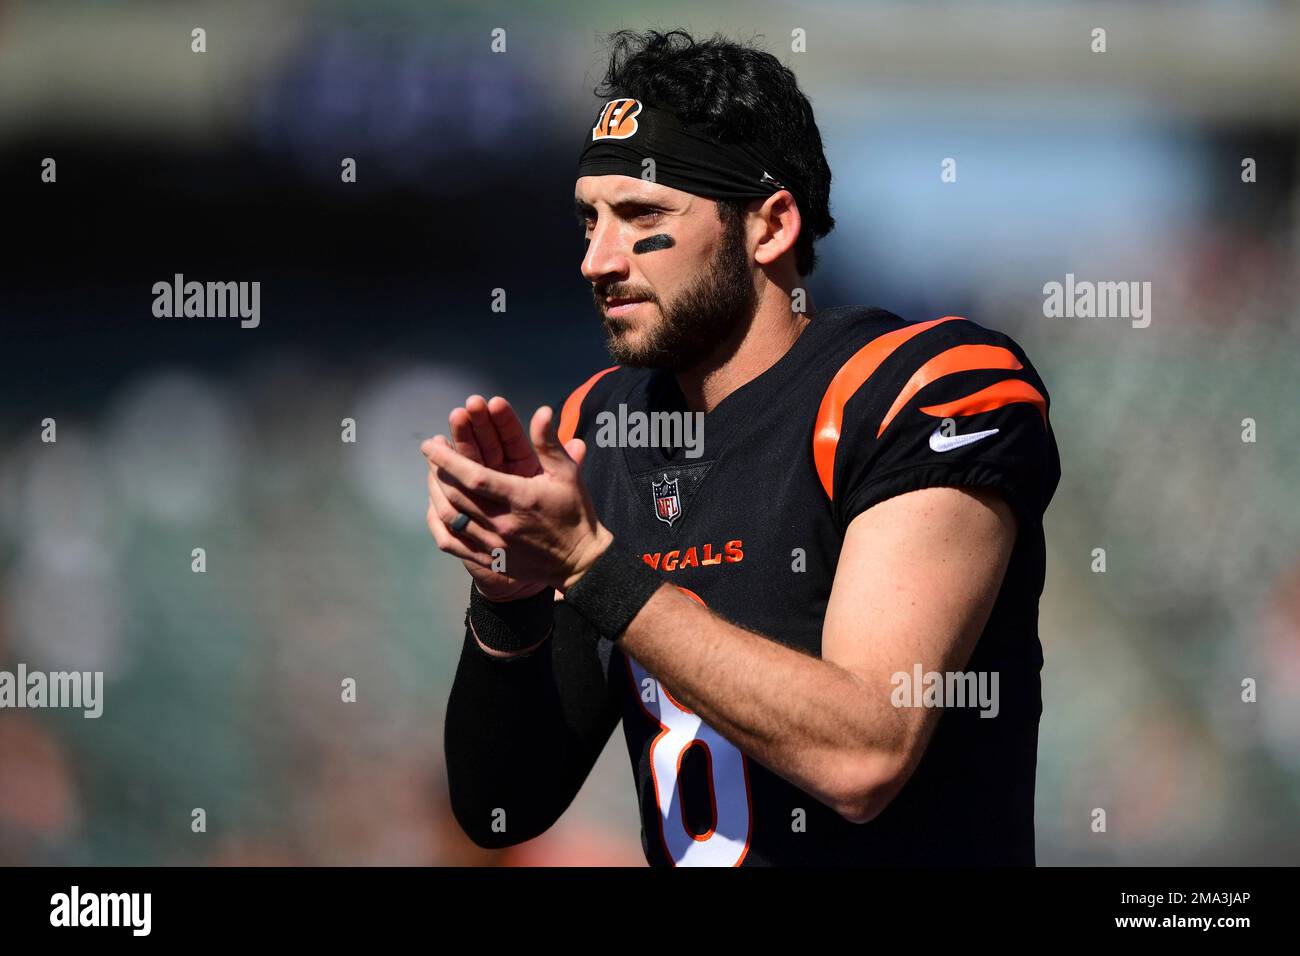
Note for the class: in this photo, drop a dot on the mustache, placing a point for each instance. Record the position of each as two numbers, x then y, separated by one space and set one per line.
620 293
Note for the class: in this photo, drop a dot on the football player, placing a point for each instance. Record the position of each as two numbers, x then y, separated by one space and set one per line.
791 620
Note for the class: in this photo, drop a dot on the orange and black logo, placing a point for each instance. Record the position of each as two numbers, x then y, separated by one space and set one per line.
617 120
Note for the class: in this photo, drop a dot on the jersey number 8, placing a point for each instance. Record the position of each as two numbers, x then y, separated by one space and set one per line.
726 841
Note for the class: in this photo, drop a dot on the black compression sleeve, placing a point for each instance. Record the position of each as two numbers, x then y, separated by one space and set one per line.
522 733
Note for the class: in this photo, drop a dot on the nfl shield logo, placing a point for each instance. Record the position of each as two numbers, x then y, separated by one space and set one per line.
668 506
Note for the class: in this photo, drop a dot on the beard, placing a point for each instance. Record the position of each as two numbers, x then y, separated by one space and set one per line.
700 319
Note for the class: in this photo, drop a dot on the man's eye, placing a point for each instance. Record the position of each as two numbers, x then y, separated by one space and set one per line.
649 217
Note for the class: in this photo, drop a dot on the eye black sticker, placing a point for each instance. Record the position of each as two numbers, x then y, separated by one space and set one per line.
653 243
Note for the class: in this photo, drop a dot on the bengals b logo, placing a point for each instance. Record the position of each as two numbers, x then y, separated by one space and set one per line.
617 120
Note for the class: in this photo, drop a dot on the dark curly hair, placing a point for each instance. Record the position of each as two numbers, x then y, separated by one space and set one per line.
737 93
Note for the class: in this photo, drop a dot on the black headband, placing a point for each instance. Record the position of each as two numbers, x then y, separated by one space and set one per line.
627 132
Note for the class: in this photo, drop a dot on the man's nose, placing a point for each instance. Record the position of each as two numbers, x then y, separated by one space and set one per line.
605 255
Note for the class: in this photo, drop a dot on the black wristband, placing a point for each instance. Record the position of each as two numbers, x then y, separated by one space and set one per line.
611 592
511 626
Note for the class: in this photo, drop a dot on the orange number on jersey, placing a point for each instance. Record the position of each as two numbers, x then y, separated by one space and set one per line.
727 840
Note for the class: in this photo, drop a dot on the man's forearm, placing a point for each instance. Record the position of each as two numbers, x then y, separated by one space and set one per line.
820 726
522 734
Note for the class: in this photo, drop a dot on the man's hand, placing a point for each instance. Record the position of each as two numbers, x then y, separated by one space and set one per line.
525 499
489 433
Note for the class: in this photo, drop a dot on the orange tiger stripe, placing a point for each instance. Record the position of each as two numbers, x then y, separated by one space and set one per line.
959 358
573 406
859 368
1005 392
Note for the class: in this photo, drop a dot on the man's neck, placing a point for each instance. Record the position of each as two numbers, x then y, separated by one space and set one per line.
755 348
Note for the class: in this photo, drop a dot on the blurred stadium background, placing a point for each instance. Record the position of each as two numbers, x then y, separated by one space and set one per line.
222 689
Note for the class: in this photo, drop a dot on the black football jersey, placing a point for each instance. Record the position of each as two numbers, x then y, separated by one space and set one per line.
862 407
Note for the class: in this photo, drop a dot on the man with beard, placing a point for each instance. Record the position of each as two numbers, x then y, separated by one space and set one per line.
792 627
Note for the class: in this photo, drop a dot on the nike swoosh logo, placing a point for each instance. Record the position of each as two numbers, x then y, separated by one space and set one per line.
941 442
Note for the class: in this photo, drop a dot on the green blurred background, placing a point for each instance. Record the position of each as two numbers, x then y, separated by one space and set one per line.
223 688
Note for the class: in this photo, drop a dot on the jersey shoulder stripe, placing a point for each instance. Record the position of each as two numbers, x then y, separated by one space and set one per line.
881 428
571 413
845 384
959 358
1005 392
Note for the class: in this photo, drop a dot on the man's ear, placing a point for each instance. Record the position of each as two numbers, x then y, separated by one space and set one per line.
780 215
